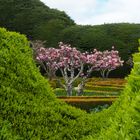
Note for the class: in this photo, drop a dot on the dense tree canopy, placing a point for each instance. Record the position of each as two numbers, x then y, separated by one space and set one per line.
25 16
123 36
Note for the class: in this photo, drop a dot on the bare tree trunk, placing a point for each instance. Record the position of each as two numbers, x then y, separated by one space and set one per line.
51 74
80 88
69 89
107 73
70 79
103 74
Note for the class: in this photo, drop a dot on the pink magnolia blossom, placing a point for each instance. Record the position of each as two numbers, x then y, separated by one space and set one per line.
105 61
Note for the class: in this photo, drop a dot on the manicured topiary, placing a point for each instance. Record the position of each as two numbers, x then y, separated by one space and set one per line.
29 109
124 121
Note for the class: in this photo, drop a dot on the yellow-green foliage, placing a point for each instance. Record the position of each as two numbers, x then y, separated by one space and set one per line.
30 111
124 123
28 108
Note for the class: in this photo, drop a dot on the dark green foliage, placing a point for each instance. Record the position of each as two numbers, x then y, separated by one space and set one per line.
123 36
29 16
99 108
50 31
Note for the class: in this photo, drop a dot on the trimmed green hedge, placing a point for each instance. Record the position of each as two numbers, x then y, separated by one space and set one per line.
62 92
28 108
124 122
103 88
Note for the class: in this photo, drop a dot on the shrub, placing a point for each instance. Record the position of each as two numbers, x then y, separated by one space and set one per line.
125 122
28 108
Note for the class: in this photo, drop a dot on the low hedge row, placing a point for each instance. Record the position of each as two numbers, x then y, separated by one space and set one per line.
105 84
103 88
113 82
62 92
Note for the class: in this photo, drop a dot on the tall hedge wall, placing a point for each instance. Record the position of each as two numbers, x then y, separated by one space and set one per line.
124 121
126 124
28 108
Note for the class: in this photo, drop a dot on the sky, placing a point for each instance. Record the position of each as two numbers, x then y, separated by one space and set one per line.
95 12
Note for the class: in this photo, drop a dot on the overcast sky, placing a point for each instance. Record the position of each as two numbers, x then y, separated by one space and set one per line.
98 11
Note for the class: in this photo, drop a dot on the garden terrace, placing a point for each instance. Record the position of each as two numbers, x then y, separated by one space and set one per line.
95 87
99 100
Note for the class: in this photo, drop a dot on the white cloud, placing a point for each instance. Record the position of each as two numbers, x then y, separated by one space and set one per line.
99 11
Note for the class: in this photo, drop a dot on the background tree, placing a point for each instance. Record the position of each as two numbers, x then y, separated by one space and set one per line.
123 36
71 64
35 12
50 31
106 61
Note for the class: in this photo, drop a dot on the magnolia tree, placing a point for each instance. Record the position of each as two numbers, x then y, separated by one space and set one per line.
68 60
71 64
105 61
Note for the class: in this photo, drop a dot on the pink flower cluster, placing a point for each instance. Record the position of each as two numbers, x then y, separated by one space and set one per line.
68 58
63 57
49 56
104 60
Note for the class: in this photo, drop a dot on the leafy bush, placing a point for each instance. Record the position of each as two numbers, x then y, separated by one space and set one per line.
28 108
125 122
